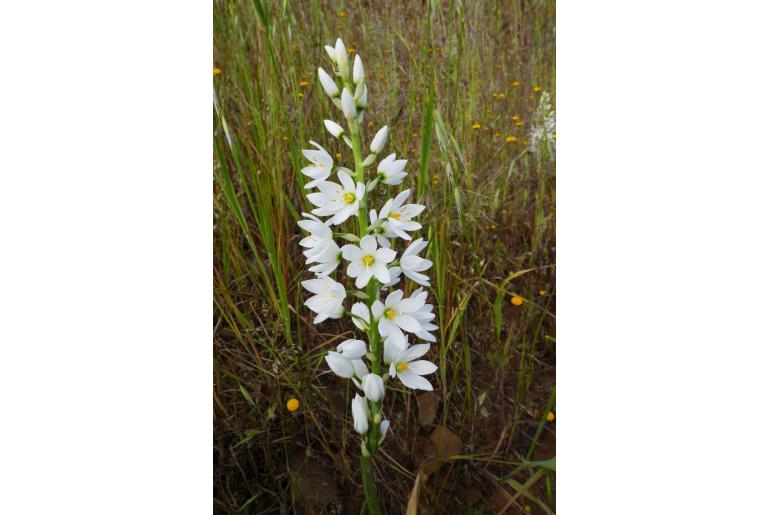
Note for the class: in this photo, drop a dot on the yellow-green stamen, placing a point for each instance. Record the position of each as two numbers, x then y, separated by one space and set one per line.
367 260
390 314
348 197
402 367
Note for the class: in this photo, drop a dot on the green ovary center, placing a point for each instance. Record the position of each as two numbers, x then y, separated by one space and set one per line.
348 197
367 260
402 367
390 314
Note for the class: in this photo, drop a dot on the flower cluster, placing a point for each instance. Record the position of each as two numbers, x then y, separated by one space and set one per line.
371 262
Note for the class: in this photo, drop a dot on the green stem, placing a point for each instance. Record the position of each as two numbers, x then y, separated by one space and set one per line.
369 491
372 439
355 137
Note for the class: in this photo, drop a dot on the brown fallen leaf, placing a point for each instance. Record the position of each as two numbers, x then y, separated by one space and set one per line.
427 404
446 441
312 483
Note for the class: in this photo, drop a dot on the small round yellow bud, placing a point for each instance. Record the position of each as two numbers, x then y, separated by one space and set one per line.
550 417
517 301
292 405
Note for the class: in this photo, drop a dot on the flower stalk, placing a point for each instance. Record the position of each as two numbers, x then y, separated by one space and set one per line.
372 262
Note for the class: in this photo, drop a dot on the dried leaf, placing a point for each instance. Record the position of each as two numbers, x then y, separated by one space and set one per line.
414 497
312 484
427 404
446 441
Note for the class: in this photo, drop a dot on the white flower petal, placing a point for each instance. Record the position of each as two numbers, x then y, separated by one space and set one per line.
414 381
422 367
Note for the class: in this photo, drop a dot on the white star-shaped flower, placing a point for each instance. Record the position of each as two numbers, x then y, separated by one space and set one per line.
320 237
341 201
320 167
327 301
397 315
368 261
411 264
404 364
391 170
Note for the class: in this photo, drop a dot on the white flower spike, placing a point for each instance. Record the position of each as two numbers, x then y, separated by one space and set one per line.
367 261
372 265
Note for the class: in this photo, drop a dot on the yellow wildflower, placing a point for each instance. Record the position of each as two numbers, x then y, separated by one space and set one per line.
292 405
217 71
516 300
511 139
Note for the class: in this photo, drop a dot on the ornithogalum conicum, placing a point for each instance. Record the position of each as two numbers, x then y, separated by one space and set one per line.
370 218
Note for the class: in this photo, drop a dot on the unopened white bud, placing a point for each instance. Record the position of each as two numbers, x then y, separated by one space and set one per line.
332 53
358 70
330 87
348 104
359 91
374 388
364 98
342 58
378 143
334 128
360 414
384 425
